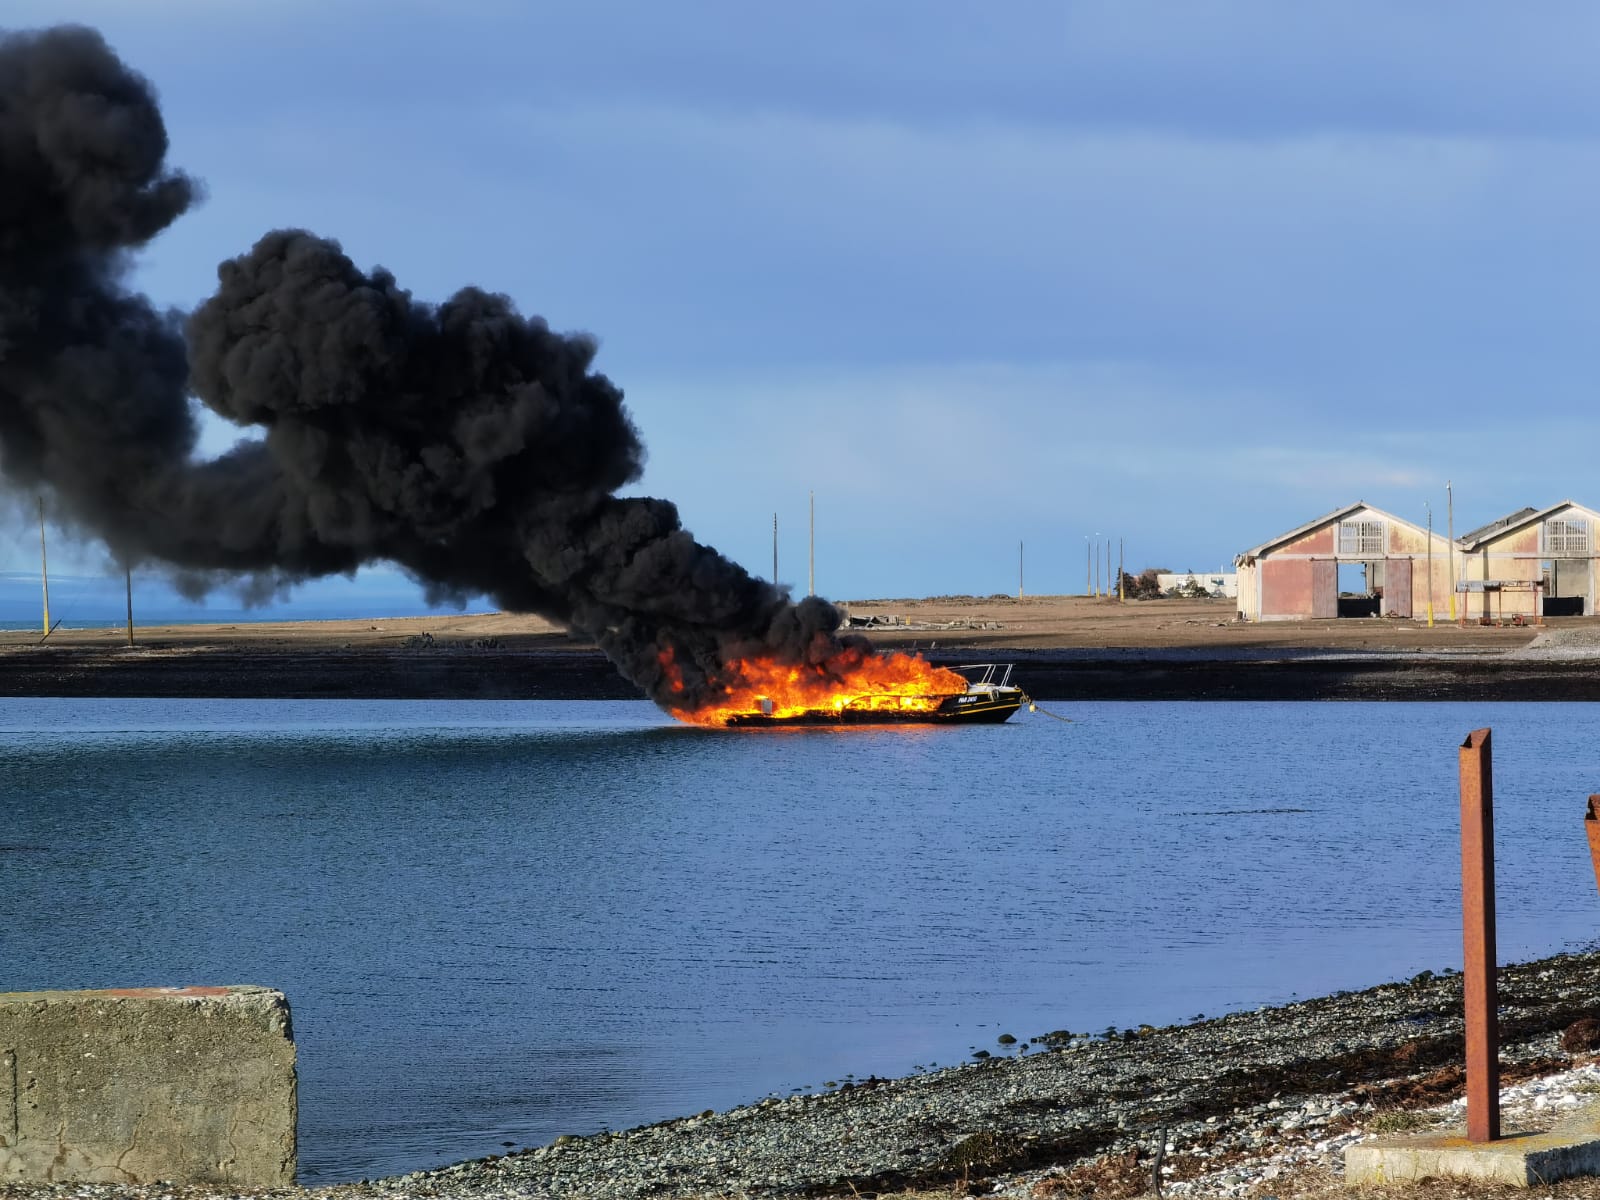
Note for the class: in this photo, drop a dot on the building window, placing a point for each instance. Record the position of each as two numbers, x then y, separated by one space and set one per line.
1566 537
1361 539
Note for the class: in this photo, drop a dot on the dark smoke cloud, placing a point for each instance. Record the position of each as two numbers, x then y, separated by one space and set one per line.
463 441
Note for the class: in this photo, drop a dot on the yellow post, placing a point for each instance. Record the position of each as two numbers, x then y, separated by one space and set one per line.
1430 565
44 569
1450 544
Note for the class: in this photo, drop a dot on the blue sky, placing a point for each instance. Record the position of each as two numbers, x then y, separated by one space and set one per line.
1184 274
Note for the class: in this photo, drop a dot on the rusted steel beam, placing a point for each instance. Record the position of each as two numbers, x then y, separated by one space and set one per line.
1477 924
1591 823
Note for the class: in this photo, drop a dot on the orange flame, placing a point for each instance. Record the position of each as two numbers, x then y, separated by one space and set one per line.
875 682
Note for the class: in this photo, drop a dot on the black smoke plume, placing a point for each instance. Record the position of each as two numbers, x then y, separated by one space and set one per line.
463 441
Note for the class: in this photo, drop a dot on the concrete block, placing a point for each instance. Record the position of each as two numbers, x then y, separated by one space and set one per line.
131 1085
1566 1150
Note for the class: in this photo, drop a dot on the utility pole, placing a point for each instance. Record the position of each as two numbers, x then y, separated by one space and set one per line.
1450 517
44 569
811 571
774 549
129 571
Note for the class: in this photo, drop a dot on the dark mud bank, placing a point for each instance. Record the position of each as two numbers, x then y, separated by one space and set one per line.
445 673
437 674
1075 676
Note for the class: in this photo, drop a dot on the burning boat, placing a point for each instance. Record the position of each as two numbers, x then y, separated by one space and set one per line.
988 697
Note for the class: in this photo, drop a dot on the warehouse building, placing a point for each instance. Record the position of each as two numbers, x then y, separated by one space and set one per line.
1357 561
1531 563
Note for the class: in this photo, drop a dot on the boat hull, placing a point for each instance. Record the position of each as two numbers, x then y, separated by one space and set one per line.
967 709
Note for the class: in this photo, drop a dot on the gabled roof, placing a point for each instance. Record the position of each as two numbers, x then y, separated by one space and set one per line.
1336 515
1516 520
1510 520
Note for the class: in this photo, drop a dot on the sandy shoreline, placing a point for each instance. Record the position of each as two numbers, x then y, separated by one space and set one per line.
1065 648
971 622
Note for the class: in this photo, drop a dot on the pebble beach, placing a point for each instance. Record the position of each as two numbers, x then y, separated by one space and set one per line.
1220 1107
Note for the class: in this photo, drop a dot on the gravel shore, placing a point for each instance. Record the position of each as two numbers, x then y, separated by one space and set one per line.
1234 1100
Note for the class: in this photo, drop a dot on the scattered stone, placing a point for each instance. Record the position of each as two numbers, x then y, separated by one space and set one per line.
1062 1123
1582 1035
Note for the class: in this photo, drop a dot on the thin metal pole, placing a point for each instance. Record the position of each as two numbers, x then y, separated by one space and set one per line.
1477 924
44 569
129 571
774 549
811 570
1450 547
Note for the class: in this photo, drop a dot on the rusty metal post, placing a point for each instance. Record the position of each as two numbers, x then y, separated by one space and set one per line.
1591 822
1477 923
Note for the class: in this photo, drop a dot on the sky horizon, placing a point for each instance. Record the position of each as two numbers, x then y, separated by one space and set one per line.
1183 277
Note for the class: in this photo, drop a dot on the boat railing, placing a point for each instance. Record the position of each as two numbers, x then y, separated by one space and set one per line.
987 679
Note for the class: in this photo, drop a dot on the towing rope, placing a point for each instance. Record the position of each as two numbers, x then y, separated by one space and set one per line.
1034 707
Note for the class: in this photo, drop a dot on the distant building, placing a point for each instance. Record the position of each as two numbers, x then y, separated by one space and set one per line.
1361 561
1533 562
1355 561
1213 583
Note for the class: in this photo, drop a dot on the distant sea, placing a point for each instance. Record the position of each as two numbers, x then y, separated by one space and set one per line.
220 616
101 602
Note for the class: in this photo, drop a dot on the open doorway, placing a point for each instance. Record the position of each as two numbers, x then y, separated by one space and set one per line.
1566 586
1360 589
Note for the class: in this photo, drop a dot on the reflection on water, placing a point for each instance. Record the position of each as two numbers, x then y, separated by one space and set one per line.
498 922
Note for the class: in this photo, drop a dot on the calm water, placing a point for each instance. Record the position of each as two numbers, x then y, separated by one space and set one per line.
499 922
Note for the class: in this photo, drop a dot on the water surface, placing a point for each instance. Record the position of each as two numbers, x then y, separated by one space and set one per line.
500 921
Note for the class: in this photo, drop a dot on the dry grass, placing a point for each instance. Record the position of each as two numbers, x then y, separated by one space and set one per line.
1320 1186
1299 1185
